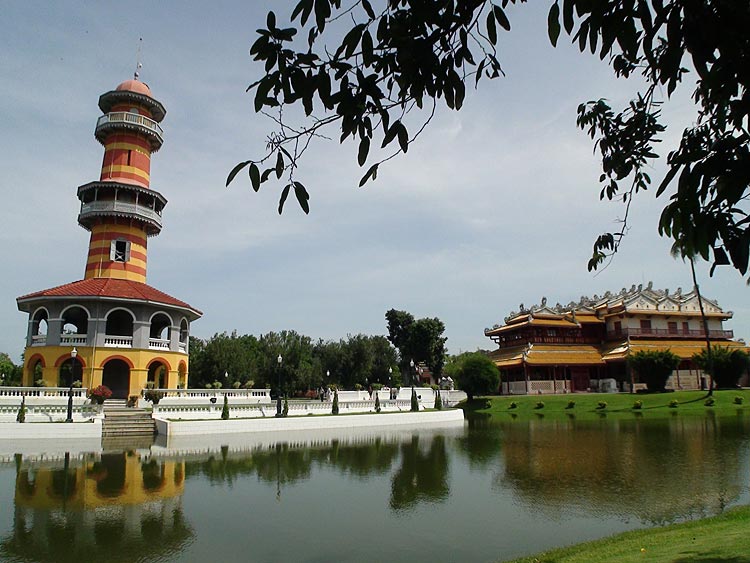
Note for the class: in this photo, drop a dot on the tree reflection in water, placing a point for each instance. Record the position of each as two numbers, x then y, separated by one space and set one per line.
423 475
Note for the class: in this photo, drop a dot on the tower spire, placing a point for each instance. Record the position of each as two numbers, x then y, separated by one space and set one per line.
138 63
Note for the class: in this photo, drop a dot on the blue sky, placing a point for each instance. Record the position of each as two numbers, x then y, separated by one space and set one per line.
494 206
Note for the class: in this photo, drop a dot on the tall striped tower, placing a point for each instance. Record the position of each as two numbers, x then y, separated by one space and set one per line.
111 328
121 210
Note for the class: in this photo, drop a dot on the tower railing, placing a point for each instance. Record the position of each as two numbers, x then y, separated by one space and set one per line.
111 206
126 117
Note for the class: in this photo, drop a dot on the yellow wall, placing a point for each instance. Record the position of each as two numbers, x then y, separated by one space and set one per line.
92 370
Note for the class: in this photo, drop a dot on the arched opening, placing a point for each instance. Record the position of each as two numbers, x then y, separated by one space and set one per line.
184 331
159 332
157 375
116 376
111 473
39 327
75 320
153 476
71 370
182 375
120 323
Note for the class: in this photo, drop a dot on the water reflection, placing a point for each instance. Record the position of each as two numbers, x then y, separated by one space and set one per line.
655 471
534 479
77 508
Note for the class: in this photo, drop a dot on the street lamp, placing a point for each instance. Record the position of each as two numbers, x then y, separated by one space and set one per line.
73 361
278 392
411 364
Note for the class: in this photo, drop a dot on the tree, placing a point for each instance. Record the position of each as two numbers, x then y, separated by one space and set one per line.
726 367
404 55
420 340
654 367
478 375
225 409
11 373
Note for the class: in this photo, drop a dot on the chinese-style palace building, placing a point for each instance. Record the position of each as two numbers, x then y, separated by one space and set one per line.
112 328
584 346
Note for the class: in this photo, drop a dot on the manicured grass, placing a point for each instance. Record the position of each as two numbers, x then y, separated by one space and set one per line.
721 539
589 405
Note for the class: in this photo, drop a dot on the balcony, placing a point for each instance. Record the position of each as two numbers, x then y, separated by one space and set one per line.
158 344
127 120
118 341
112 207
39 340
72 340
673 334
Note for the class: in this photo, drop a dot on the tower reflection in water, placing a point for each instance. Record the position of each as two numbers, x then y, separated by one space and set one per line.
124 504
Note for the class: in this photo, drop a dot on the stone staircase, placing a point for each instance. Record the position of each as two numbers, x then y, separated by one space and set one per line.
120 420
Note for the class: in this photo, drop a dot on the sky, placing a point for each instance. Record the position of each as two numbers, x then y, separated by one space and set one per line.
493 206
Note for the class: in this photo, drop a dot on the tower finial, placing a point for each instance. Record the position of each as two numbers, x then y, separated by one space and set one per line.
138 63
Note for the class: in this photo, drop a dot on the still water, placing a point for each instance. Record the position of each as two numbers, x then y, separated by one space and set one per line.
479 491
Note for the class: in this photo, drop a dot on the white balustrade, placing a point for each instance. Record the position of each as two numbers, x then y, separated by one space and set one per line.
134 118
158 343
183 347
120 207
39 340
118 341
72 340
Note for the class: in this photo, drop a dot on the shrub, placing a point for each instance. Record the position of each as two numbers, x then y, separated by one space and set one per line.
570 405
335 407
40 383
414 400
248 384
513 405
438 401
674 403
225 409
377 403
601 405
21 416
377 386
358 387
285 411
654 367
77 384
728 365
539 405
132 401
478 375
710 402
100 394
236 385
153 396
216 385
738 400
638 405
434 387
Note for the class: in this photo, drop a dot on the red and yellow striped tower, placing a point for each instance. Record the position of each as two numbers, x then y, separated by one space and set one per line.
121 210
112 328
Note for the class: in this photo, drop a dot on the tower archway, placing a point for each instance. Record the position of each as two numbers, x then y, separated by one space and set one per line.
116 376
157 374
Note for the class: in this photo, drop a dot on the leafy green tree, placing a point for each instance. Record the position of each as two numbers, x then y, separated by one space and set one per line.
420 340
654 367
728 365
11 372
366 77
231 354
478 375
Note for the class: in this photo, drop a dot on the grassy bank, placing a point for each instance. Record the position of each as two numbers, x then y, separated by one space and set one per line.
724 538
597 405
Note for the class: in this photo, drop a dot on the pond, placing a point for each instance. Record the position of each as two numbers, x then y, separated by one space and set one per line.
480 491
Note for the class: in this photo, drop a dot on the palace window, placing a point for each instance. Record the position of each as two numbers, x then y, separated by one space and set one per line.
618 328
119 251
646 326
672 327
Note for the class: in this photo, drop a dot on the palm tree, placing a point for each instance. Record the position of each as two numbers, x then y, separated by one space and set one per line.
680 249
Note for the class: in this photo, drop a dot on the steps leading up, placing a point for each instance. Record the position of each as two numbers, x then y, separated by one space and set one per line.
120 420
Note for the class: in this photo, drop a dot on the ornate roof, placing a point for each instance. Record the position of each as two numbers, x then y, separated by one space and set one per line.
110 288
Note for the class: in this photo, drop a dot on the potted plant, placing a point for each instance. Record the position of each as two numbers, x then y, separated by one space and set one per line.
100 394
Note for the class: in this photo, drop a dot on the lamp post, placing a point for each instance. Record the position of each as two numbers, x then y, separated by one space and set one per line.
278 391
411 364
73 354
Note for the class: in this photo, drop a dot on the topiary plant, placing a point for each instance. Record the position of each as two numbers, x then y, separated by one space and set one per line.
438 401
285 412
335 406
738 400
377 403
638 405
225 409
21 416
674 403
539 405
601 405
414 400
153 396
570 405
513 405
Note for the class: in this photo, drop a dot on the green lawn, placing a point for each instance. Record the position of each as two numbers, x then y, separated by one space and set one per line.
587 405
721 539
